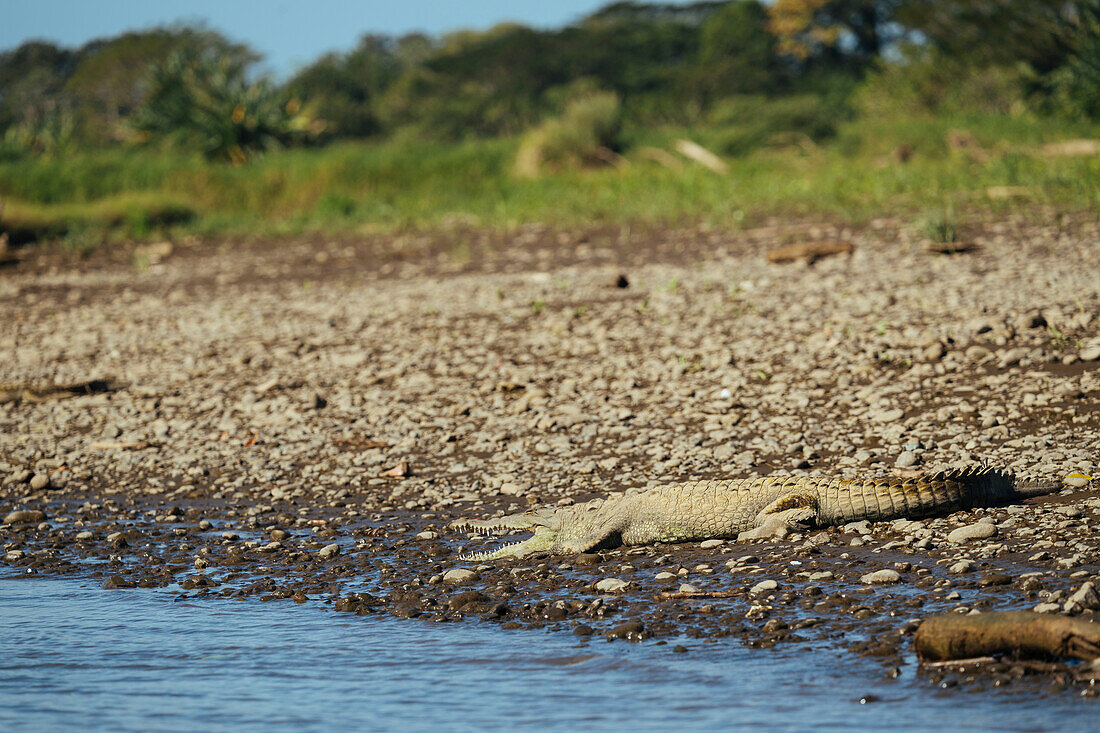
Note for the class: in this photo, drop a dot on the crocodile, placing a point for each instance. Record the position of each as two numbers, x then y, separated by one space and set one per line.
747 509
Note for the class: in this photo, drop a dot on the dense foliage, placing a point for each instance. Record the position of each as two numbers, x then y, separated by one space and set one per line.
752 70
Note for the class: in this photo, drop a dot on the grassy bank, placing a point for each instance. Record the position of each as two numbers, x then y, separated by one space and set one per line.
901 166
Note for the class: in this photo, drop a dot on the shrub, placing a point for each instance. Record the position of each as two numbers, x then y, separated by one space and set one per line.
585 134
749 122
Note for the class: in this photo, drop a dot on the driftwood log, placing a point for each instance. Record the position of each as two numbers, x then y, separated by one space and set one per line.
809 251
1024 634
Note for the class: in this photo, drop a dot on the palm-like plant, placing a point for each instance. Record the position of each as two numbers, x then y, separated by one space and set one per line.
209 103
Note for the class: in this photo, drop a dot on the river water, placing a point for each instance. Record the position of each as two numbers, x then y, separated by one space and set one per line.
73 655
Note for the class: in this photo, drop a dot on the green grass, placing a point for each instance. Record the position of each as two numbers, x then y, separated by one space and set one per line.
853 176
135 214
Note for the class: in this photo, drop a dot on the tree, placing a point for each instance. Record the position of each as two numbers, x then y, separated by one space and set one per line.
343 89
1040 33
31 80
858 28
206 100
736 52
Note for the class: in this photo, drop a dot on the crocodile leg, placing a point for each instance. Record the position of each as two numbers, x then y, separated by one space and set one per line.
795 510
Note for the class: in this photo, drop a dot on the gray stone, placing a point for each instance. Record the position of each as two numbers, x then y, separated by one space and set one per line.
907 459
881 576
25 516
1085 597
764 586
711 544
611 585
40 481
329 550
459 575
971 532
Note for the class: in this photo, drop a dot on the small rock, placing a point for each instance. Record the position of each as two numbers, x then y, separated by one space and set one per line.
329 550
978 531
427 535
1047 608
85 535
987 581
1077 480
962 566
117 581
25 516
611 585
1086 597
934 352
881 576
764 586
711 544
1089 353
40 481
688 588
629 630
459 575
664 575
13 555
907 459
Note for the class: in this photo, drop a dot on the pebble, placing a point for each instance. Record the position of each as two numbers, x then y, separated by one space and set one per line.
1077 480
711 544
40 481
329 550
906 459
25 516
977 531
881 576
1085 597
763 587
459 575
962 566
117 581
1090 353
664 575
688 588
611 585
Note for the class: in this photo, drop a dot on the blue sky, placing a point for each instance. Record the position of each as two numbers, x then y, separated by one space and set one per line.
288 33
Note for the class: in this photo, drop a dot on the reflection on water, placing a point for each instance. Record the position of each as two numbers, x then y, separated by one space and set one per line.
74 655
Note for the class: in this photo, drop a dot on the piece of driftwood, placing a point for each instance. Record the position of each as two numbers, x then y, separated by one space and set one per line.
952 248
1023 634
810 251
702 156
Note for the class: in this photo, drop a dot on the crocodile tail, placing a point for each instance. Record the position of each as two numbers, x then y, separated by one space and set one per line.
879 499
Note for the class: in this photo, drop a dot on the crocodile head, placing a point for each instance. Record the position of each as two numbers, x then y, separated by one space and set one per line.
545 523
570 529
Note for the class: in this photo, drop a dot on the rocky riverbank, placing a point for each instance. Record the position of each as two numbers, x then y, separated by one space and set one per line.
302 419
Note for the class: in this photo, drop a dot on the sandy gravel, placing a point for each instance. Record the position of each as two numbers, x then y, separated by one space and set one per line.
386 385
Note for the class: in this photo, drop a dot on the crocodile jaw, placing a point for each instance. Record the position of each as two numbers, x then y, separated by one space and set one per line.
543 540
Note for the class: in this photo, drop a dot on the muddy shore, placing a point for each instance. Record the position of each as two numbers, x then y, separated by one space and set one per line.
302 419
